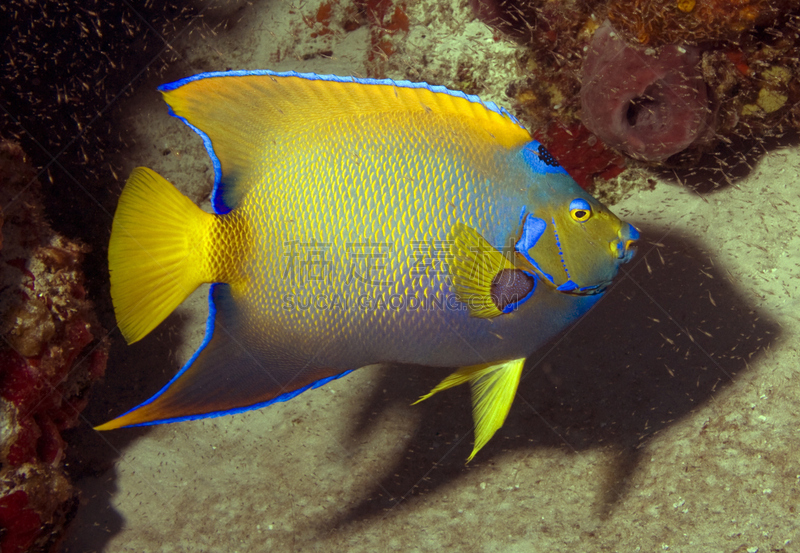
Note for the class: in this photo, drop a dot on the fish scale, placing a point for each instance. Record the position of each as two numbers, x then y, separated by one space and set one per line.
358 222
393 197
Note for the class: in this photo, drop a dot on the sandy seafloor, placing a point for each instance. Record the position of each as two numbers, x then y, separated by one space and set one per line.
666 420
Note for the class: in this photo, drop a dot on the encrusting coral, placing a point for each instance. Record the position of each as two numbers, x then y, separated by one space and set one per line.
732 64
51 351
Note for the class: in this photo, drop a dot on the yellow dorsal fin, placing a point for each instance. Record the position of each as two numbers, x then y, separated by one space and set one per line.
494 386
240 113
473 265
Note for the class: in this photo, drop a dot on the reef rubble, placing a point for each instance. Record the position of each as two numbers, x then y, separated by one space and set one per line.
52 349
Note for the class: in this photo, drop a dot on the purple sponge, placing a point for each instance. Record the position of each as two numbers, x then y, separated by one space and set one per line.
647 104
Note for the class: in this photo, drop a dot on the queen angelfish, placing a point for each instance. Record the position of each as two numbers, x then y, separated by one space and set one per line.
356 222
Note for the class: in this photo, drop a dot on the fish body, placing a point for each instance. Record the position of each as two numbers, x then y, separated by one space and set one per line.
357 222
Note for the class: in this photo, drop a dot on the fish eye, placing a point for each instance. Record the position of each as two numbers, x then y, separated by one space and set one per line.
580 210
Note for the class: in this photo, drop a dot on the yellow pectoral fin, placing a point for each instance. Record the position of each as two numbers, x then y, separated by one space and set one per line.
475 263
493 389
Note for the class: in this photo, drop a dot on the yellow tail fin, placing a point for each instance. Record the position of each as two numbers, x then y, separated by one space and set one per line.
156 253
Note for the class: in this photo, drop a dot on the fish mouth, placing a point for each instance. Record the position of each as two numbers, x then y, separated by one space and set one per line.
624 247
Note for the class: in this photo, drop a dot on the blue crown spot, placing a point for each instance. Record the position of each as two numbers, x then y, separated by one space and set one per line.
540 160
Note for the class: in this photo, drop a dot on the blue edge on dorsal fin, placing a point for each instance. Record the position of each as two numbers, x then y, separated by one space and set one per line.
212 312
221 208
216 196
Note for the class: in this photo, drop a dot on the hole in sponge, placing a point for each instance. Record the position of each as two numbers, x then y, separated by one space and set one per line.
641 110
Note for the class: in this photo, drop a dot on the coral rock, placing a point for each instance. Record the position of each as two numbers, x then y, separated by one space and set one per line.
52 350
659 22
580 152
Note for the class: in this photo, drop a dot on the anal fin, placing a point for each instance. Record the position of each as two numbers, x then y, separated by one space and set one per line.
226 375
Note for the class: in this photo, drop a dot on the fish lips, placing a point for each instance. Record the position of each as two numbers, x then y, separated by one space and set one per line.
626 243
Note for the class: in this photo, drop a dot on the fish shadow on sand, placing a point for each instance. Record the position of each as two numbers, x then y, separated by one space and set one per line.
672 332
729 162
138 371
